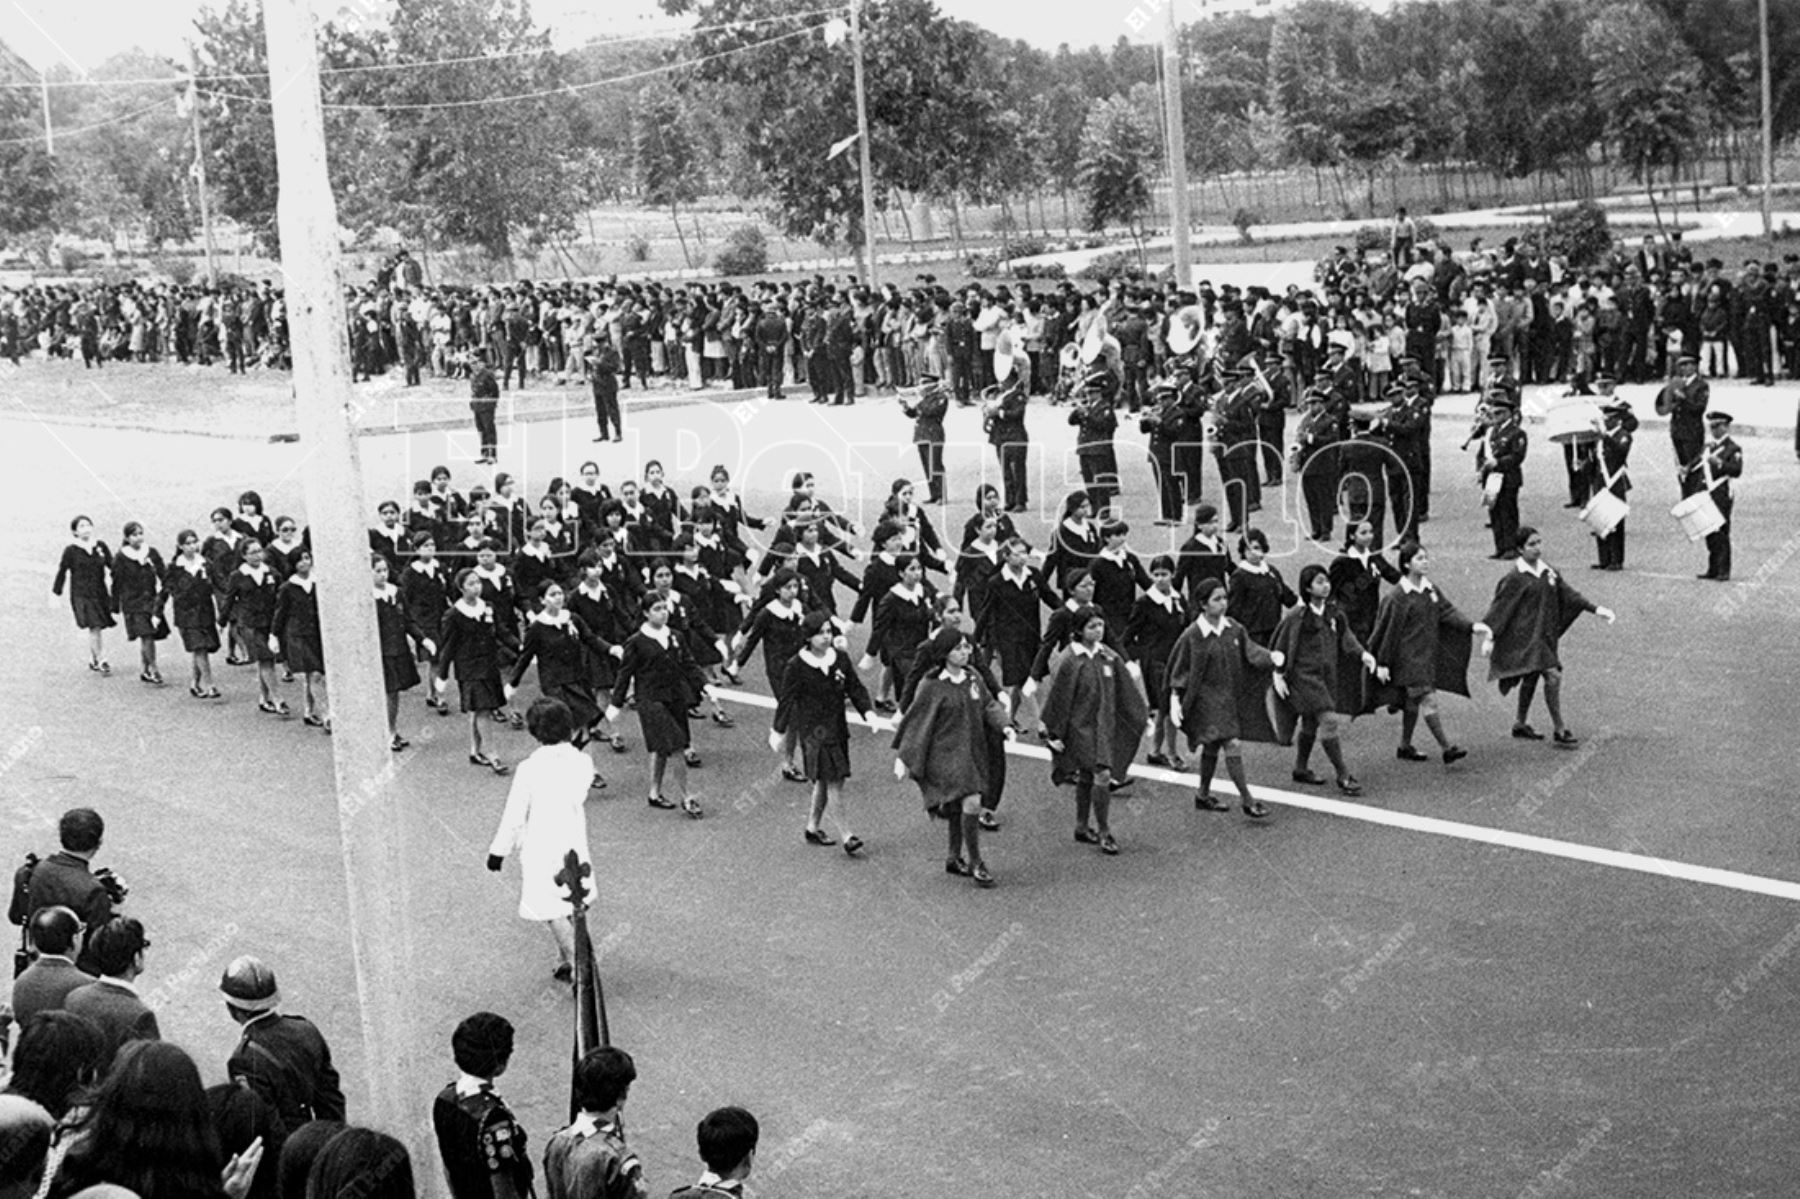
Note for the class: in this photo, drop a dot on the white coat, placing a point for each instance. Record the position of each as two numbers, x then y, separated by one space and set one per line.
545 818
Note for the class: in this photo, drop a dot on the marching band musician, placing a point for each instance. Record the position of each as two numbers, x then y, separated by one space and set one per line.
1408 424
1095 420
1683 400
1363 460
1607 472
1271 414
1003 417
927 414
1504 459
1315 460
1235 410
1719 462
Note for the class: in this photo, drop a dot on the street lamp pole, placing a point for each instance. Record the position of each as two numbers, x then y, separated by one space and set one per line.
1178 188
1768 127
862 143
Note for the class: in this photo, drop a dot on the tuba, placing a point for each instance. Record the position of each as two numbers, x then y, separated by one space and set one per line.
1186 326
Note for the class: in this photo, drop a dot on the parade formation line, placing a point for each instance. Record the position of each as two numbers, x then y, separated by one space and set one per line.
1709 876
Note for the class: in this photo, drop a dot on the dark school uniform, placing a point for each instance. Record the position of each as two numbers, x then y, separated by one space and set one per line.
1200 559
1118 577
820 569
84 569
711 602
1092 705
258 527
1424 642
1356 579
471 647
563 650
138 595
391 544
599 609
533 567
1322 661
479 1140
902 621
499 593
1256 599
1217 672
1004 529
1008 621
625 582
668 682
250 610
191 605
780 630
880 575
425 591
662 517
283 557
1157 622
296 624
397 632
811 709
1072 548
1060 632
975 569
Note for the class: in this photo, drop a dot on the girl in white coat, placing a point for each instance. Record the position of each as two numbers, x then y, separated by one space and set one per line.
544 820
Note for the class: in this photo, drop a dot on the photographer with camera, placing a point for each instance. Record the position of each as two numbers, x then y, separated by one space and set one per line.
66 879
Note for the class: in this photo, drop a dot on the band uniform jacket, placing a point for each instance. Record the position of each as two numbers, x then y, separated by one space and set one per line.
285 1060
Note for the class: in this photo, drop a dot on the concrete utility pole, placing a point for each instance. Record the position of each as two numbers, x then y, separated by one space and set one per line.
1768 127
206 230
862 143
368 812
1178 188
49 134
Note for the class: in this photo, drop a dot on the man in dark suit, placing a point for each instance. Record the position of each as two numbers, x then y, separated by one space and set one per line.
840 340
112 1000
49 979
282 1058
1683 400
65 879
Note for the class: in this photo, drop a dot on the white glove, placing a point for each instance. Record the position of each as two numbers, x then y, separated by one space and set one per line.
1175 710
1054 744
1606 614
776 741
274 644
1487 647
430 648
508 690
1281 687
1383 673
1135 671
617 651
612 713
841 642
866 662
899 770
1029 689
1277 657
1369 663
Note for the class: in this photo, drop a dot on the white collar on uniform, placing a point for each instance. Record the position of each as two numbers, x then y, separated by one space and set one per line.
660 636
1412 588
1539 571
1117 556
1208 629
1022 578
786 611
195 566
260 573
1082 650
1081 528
1255 568
816 662
136 555
911 595
561 620
496 574
468 1084
424 567
304 584
539 551
1170 601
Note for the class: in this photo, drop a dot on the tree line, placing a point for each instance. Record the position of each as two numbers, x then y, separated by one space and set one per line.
455 122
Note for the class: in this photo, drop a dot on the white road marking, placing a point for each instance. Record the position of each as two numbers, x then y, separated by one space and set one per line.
1593 855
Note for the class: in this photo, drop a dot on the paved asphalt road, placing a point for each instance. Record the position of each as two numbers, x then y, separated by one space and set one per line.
1315 1006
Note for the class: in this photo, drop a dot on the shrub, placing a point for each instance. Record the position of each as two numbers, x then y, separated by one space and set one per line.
1581 233
1040 270
982 264
637 248
1027 247
180 270
746 252
1242 220
1118 264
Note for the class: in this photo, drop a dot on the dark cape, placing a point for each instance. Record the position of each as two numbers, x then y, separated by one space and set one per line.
1323 666
1222 680
943 738
1095 707
1529 615
1424 642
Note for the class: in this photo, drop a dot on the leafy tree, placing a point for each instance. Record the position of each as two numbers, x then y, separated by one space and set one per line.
29 186
665 157
1118 150
1647 85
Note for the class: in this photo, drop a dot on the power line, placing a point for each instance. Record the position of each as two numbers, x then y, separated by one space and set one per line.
567 89
183 80
76 132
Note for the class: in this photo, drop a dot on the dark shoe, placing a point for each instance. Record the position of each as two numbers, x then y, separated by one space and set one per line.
1309 777
1157 760
1524 732
692 758
1256 809
1566 740
853 845
1349 786
1086 836
988 823
886 707
1454 754
214 693
723 721
563 972
661 801
956 866
1108 846
312 722
1118 785
1407 753
196 692
819 837
792 775
1206 801
599 784
617 743
979 872
692 807
398 743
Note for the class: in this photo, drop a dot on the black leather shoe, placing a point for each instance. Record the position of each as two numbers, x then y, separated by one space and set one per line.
1256 809
1086 836
956 866
1566 740
1454 754
1349 786
1206 801
819 837
979 872
1524 732
1309 777
661 801
1407 753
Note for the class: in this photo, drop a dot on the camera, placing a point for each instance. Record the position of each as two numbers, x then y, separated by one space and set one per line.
115 887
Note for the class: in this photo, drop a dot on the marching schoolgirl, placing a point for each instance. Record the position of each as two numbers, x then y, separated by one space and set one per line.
988 503
389 537
733 519
820 567
902 622
500 595
1318 678
1256 594
589 496
815 687
921 539
401 638
620 574
84 567
704 647
1092 715
561 644
878 579
779 627
471 646
1533 607
425 592
507 514
662 508
138 596
1075 542
1215 695
602 609
979 562
223 550
1423 642
249 611
1356 578
189 583
668 682
281 553
1157 622
948 615
1201 556
296 627
532 567
835 532
250 520
942 744
1007 623
1118 575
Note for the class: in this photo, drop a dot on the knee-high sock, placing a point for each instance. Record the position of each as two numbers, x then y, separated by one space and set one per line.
1436 725
1303 747
1553 700
1102 806
971 831
1527 692
1234 765
1209 765
1334 749
1084 801
1409 723
957 825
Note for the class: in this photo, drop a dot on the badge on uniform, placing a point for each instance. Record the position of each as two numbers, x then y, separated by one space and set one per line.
1106 672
